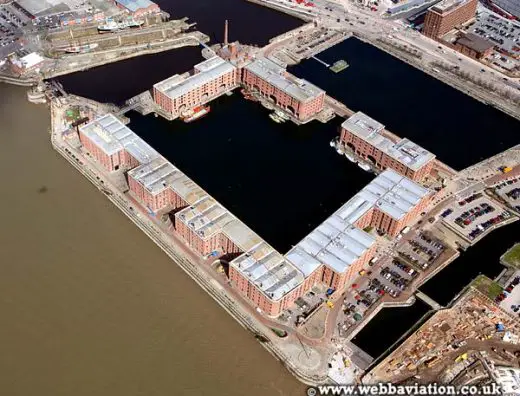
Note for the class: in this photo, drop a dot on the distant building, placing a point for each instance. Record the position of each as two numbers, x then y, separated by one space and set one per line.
365 137
138 8
210 79
297 96
81 18
474 46
114 145
27 63
446 15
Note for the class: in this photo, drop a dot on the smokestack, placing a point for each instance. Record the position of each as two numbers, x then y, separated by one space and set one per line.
226 32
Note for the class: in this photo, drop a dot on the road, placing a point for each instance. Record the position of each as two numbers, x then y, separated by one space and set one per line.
346 16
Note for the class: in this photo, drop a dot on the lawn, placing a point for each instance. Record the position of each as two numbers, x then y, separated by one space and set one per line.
487 286
512 256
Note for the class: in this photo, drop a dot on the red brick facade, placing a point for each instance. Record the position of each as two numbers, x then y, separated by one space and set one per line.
301 110
382 160
440 21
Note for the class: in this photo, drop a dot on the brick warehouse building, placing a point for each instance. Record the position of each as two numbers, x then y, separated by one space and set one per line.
332 254
446 15
209 80
366 137
114 145
297 96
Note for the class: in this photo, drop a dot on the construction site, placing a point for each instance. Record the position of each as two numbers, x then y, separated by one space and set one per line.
452 345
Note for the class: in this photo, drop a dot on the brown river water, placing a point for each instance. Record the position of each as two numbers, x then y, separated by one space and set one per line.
88 304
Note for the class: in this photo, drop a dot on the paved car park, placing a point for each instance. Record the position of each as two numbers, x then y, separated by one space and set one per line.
504 33
509 191
421 251
473 215
509 299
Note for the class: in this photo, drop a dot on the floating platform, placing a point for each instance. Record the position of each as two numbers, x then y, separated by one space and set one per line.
339 66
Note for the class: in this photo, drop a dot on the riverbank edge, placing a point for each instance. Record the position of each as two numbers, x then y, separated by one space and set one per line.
223 299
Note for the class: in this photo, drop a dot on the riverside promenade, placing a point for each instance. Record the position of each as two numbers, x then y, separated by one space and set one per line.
306 362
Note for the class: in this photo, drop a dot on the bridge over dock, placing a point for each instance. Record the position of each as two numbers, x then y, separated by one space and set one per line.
428 300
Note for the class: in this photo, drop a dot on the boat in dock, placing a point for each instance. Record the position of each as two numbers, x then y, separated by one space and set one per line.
195 114
276 118
363 166
113 26
80 49
282 115
339 66
350 158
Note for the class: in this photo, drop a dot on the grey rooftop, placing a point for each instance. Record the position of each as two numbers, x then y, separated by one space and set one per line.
276 75
205 72
112 136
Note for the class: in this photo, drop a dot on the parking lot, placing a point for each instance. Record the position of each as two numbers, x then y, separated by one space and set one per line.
304 306
509 191
473 215
13 19
421 251
504 33
509 299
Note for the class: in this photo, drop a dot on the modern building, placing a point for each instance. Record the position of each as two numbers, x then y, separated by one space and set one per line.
474 46
114 145
297 96
366 138
209 80
446 15
138 8
511 8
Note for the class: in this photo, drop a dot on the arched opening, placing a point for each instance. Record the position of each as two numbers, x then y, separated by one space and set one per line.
291 109
205 96
256 88
222 87
351 146
273 98
221 266
372 159
182 108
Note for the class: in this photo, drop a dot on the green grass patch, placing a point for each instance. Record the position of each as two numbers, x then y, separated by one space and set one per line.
487 286
512 256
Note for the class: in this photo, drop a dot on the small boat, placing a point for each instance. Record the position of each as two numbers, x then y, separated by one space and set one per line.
350 158
195 114
275 118
333 143
340 150
80 49
281 115
365 167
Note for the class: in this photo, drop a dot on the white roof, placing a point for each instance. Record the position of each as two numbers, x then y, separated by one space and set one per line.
405 151
268 270
112 136
32 59
205 72
337 242
276 75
